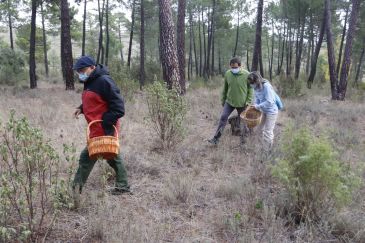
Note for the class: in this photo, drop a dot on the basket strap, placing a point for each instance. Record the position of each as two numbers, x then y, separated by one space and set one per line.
95 121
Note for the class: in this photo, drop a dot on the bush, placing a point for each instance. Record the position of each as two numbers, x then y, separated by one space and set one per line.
12 66
312 175
123 78
288 86
166 113
29 179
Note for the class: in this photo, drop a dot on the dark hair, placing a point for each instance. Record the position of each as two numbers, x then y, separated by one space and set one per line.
235 60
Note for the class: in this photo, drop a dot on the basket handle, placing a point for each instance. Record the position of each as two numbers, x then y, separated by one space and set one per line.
95 121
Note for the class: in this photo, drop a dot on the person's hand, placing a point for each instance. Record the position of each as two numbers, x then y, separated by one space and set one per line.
77 113
256 107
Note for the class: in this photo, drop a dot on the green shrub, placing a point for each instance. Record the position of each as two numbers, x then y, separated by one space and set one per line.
12 66
123 78
166 113
29 179
312 175
288 86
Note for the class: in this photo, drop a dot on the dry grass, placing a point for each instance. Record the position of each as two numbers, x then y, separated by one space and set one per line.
196 192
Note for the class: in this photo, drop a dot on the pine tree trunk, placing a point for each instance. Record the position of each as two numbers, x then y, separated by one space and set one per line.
131 35
219 62
316 53
342 40
272 50
44 43
280 66
204 46
331 51
247 60
348 50
32 65
358 69
200 49
10 26
121 45
310 41
257 47
141 50
181 42
237 34
195 55
84 30
67 61
107 33
190 61
100 56
168 46
299 51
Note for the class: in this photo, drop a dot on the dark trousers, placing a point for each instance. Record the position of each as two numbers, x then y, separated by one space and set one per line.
227 110
86 165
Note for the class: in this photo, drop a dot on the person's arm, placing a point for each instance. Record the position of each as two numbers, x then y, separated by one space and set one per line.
250 92
269 98
111 94
224 91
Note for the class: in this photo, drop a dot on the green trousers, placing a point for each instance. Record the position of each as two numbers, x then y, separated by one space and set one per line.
86 165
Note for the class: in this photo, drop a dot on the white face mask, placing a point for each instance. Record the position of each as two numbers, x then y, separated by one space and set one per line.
235 70
254 86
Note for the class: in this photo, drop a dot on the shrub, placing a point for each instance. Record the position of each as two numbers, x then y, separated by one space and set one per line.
123 78
12 66
312 175
288 86
166 113
29 177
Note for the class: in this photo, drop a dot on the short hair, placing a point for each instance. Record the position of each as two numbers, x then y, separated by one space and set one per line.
235 60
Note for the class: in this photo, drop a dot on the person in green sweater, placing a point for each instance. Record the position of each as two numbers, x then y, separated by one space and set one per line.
237 94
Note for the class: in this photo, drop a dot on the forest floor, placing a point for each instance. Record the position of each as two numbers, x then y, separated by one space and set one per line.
195 192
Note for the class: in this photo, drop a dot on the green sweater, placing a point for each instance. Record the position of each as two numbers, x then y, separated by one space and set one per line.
236 91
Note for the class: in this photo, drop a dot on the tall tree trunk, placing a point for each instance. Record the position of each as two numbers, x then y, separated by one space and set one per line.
287 48
310 41
67 61
107 32
10 26
299 51
32 65
84 30
358 69
131 35
44 43
237 34
342 40
210 39
316 53
141 50
272 49
331 51
181 42
200 48
348 50
282 51
121 45
195 55
219 61
247 60
190 62
168 45
213 53
100 56
205 46
257 48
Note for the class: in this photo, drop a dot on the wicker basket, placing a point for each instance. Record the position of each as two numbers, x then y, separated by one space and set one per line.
251 116
106 147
